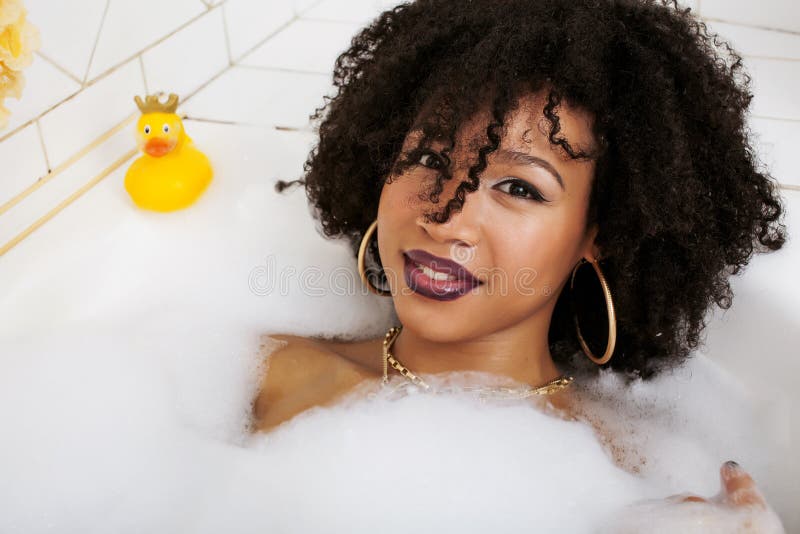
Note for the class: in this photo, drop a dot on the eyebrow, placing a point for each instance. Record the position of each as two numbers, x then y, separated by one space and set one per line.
505 155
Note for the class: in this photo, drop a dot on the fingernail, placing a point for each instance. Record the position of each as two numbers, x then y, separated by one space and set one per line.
732 464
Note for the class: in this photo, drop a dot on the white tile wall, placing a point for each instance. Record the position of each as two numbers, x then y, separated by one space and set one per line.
249 22
129 27
778 142
45 86
260 96
778 14
292 47
23 163
91 113
359 11
757 42
775 84
68 30
190 58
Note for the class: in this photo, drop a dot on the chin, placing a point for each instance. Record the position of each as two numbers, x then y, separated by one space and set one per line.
433 325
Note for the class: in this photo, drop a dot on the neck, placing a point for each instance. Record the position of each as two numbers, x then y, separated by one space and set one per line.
520 353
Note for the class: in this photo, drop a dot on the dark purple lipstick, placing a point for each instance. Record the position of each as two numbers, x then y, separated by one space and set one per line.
435 277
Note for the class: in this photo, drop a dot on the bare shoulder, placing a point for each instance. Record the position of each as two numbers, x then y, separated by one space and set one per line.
301 373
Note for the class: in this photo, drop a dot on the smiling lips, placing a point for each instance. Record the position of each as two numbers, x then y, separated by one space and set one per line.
435 277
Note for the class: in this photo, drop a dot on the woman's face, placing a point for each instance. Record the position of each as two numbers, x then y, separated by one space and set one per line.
520 234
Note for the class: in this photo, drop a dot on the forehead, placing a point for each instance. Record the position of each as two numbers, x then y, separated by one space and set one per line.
525 127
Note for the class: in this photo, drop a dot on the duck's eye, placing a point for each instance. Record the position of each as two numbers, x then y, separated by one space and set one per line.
146 128
165 128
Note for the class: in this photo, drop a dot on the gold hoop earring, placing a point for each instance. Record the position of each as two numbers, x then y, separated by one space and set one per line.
362 267
612 320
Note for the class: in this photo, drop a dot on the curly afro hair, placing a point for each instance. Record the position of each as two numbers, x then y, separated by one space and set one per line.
679 196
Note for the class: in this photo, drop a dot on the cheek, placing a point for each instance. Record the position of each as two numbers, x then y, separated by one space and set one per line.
399 200
544 243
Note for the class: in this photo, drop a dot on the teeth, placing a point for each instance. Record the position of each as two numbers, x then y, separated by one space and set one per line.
435 274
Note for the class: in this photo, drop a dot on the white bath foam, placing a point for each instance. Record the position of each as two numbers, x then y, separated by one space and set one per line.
121 431
439 464
696 405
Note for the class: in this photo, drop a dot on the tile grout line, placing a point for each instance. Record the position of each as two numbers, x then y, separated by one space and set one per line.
41 115
265 39
96 42
144 75
310 7
66 99
754 26
227 37
246 124
363 22
44 148
745 57
150 46
359 23
282 69
782 119
64 165
63 71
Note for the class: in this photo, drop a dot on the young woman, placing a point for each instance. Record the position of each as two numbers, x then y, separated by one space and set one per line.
528 180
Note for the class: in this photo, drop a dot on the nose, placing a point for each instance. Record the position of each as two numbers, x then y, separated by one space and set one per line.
463 227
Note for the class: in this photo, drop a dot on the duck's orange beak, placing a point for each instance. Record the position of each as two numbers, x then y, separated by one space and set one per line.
157 147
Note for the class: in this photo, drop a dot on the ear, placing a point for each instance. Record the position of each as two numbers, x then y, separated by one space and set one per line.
590 250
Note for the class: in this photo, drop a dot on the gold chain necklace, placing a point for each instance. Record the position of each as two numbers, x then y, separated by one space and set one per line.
550 387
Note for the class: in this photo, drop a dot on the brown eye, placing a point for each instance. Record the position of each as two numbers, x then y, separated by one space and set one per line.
430 160
521 189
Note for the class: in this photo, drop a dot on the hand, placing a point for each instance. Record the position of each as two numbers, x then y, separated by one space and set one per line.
738 490
738 496
738 507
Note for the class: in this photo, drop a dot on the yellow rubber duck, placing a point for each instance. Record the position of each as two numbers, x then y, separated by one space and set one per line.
172 173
